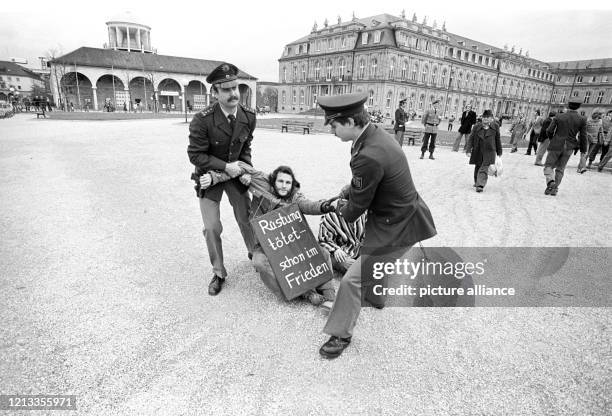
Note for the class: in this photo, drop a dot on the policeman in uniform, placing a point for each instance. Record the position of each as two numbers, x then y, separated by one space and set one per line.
400 122
563 131
219 137
381 185
430 120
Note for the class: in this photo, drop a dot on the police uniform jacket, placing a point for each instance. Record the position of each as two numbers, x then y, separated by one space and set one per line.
431 119
484 144
400 120
212 144
382 185
563 131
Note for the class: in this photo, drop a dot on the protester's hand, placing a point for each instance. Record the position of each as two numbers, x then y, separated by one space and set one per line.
340 256
233 169
468 153
205 181
245 179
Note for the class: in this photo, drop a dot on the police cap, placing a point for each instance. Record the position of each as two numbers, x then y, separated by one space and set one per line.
574 100
342 105
224 76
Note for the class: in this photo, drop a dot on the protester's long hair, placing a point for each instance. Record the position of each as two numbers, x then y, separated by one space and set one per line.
288 171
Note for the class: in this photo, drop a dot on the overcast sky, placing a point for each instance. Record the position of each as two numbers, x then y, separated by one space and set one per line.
252 34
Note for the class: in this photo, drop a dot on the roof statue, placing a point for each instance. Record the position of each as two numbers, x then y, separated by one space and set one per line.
414 18
403 14
315 27
339 19
325 23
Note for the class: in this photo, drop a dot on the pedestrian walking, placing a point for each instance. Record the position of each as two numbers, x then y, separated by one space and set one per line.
518 132
535 128
400 122
468 119
451 120
564 128
482 147
544 139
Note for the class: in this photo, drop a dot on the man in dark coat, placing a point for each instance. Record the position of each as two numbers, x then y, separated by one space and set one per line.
468 119
563 129
544 139
484 143
381 185
219 137
400 122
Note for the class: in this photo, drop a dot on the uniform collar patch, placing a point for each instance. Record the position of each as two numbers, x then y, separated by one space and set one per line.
357 182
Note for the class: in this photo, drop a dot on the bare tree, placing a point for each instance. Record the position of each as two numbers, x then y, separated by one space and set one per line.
58 70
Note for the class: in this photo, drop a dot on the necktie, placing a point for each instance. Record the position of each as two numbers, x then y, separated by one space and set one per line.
232 121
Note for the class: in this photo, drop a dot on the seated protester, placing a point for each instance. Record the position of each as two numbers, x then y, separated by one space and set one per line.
270 192
341 239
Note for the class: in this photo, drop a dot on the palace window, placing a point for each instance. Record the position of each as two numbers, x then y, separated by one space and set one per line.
301 97
329 69
415 69
295 73
575 94
284 97
421 101
377 37
579 79
404 69
343 42
374 64
342 66
294 100
392 68
317 69
424 75
362 69
303 72
284 74
587 97
600 96
371 99
434 75
554 96
563 97
364 38
389 97
443 80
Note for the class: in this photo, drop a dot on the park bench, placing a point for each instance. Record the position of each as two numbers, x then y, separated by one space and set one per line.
41 113
304 125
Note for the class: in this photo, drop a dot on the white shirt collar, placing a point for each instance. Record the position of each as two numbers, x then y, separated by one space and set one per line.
360 134
226 114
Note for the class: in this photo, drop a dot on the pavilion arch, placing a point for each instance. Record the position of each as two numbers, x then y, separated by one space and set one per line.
196 95
245 94
77 90
111 93
168 95
141 93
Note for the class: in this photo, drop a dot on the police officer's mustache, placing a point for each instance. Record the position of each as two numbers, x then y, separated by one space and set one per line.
234 98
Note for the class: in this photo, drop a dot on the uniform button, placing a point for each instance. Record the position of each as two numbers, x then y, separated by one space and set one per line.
387 220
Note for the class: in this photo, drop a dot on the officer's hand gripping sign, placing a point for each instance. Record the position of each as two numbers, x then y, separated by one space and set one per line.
292 250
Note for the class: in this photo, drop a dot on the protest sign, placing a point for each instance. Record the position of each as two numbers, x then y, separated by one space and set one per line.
292 250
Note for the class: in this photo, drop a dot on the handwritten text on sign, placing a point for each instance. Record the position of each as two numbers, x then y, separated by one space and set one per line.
292 250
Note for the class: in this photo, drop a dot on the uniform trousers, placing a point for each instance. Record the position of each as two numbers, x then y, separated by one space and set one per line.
541 150
213 228
606 158
399 136
432 144
594 149
533 142
343 316
554 167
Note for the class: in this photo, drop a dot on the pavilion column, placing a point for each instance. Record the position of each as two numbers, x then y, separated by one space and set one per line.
127 34
95 97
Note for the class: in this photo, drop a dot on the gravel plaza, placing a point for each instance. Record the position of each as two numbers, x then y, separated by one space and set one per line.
104 273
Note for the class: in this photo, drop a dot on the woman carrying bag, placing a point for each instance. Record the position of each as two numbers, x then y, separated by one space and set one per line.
483 146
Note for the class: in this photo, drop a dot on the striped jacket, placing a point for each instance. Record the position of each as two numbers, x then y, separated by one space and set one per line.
335 232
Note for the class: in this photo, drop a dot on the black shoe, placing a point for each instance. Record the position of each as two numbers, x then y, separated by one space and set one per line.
250 255
538 164
215 285
551 185
431 157
527 154
474 185
334 347
513 150
554 190
479 189
422 156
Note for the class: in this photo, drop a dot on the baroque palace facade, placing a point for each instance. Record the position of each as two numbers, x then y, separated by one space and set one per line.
392 58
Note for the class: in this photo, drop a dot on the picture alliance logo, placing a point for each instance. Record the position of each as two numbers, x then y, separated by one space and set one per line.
410 269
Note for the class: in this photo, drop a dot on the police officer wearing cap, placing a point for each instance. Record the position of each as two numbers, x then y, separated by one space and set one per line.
382 186
563 131
430 120
219 137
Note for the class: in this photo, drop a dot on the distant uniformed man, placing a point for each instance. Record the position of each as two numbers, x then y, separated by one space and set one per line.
381 185
563 131
400 122
219 137
430 120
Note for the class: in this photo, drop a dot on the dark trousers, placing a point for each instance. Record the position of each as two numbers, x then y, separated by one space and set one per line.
594 149
432 144
533 142
211 216
399 136
554 167
481 175
450 126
